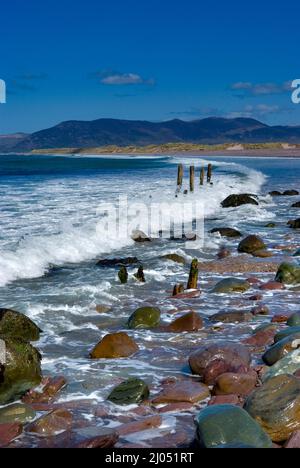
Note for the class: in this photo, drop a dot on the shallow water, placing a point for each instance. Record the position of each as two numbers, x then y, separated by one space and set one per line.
49 246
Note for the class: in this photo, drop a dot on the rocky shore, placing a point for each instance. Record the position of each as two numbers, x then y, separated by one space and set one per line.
236 384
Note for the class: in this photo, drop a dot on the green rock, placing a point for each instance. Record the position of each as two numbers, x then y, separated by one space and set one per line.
20 372
288 273
145 317
294 320
17 325
276 406
229 285
174 258
251 244
17 413
130 392
281 349
222 425
287 365
287 332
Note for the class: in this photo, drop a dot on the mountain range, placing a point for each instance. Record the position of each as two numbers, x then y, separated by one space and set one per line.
103 132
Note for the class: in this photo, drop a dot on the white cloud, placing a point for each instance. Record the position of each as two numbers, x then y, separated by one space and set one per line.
260 89
112 78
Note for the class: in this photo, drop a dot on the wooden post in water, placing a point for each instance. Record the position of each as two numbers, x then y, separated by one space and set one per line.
193 278
192 178
180 175
209 173
202 176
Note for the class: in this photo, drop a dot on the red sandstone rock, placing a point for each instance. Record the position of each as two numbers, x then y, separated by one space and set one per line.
139 426
9 432
272 286
184 391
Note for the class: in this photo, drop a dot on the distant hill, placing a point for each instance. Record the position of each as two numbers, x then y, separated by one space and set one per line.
103 132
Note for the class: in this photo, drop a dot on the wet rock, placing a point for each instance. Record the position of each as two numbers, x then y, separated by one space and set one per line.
294 441
275 193
102 309
261 338
262 254
235 384
9 432
255 297
188 295
118 262
129 392
116 345
16 413
281 349
276 406
223 253
251 244
83 438
144 317
297 253
287 365
54 423
239 316
139 275
231 285
234 201
291 193
288 273
226 232
212 360
174 258
270 225
272 286
226 400
183 391
140 236
123 275
261 309
227 424
296 205
16 325
139 426
51 387
291 331
176 407
189 322
22 370
295 224
294 320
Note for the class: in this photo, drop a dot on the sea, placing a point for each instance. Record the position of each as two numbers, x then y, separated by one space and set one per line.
52 236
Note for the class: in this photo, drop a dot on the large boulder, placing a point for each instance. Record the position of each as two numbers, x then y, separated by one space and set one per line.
251 244
17 325
234 201
129 392
221 426
226 232
280 350
20 369
288 273
231 285
276 406
212 360
144 317
235 384
115 345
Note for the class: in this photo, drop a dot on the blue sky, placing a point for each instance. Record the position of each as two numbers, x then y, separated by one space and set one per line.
154 60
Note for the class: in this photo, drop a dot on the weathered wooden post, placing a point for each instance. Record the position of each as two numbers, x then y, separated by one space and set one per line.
202 176
209 173
123 275
192 178
193 278
180 175
140 275
178 289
